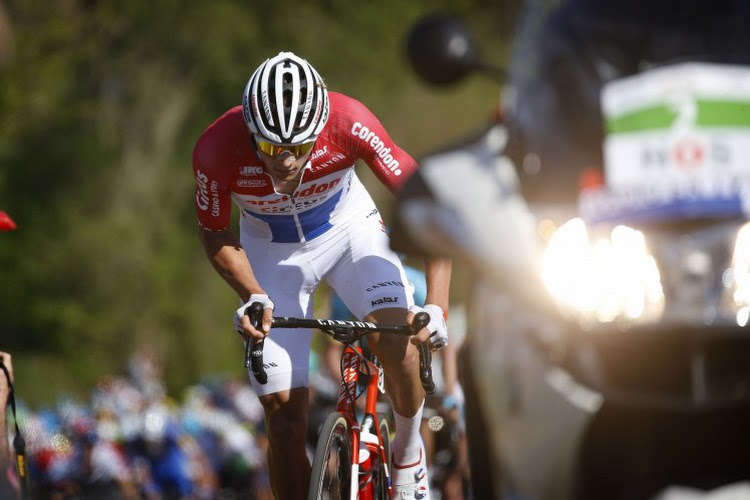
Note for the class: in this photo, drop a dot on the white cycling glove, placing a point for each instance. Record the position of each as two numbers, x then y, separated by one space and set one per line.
437 326
256 297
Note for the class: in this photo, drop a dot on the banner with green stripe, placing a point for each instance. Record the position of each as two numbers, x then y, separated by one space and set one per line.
708 113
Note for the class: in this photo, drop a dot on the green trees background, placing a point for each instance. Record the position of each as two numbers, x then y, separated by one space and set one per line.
100 105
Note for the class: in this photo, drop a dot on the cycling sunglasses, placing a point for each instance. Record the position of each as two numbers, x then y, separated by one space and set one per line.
273 150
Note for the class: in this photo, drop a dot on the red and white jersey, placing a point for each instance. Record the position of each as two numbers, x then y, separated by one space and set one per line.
227 168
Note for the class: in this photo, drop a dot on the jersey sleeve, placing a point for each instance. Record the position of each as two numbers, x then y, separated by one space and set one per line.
367 136
213 199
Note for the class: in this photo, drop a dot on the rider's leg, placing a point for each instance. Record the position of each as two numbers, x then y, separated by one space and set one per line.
286 427
400 360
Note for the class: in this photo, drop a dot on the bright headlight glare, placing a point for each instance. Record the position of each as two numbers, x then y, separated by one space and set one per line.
739 279
611 278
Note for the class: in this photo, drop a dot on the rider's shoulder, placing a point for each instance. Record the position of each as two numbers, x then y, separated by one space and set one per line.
229 125
223 135
346 109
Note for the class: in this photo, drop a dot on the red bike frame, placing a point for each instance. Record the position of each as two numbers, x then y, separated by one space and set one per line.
365 436
354 364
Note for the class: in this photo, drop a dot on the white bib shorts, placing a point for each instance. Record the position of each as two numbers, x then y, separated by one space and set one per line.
353 257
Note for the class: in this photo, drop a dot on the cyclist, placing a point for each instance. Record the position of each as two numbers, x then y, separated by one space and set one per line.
6 473
286 158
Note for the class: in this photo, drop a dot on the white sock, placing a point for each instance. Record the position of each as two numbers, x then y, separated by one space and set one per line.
407 444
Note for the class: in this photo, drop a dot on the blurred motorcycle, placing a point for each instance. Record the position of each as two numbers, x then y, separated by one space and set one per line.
608 354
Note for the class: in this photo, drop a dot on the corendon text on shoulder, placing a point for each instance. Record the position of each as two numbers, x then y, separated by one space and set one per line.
227 168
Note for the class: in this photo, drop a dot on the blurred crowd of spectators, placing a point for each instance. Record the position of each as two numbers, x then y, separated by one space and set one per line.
132 441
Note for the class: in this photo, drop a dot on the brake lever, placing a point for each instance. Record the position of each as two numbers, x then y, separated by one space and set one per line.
421 320
254 351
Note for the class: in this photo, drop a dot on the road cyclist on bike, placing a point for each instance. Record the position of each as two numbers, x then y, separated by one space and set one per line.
286 158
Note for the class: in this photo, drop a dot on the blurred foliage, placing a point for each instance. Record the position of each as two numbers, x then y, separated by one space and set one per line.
101 103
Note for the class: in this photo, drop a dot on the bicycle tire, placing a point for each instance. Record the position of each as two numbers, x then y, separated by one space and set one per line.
330 477
382 476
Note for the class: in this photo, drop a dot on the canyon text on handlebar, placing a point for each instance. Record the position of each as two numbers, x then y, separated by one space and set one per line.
344 331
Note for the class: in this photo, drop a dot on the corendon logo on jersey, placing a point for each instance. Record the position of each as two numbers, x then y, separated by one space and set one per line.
367 135
317 188
308 196
201 197
271 201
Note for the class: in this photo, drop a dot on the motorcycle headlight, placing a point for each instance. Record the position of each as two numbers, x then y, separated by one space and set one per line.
737 278
685 273
604 278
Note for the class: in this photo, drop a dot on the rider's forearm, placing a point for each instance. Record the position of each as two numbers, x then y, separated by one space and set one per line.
4 449
438 278
224 251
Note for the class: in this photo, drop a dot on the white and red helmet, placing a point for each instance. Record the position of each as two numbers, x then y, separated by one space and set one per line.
286 100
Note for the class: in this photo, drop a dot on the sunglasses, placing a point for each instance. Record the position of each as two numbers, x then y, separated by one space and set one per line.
273 150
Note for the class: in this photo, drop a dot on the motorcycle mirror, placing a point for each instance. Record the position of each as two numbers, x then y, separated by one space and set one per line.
442 51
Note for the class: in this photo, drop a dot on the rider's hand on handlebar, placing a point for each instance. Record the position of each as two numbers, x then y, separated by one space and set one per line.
243 324
436 331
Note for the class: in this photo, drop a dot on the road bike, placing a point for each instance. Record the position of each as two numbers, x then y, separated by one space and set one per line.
352 458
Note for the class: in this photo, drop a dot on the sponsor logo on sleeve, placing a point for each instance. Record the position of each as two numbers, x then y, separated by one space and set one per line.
214 199
318 153
332 160
376 143
201 195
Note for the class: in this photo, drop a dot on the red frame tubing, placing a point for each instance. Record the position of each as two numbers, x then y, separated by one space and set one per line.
352 364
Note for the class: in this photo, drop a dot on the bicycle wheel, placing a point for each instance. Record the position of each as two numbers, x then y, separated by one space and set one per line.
330 477
381 475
